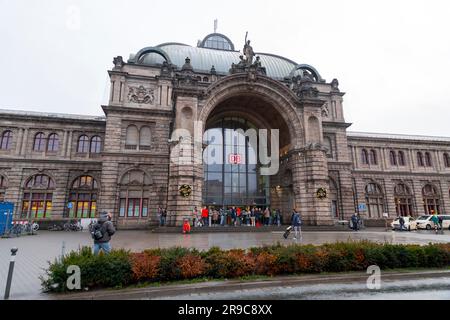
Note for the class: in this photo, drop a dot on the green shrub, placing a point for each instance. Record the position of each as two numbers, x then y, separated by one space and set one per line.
111 270
121 268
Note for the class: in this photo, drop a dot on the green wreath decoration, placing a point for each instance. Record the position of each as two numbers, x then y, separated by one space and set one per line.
185 190
321 193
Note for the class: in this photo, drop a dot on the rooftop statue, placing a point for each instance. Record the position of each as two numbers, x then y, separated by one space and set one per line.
248 51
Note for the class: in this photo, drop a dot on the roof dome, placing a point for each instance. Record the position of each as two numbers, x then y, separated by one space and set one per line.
218 51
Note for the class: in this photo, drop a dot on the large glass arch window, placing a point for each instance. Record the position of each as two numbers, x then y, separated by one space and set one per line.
403 200
431 199
231 172
375 200
83 197
38 196
134 194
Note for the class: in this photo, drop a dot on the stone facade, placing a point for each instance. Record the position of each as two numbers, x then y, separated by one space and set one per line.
147 145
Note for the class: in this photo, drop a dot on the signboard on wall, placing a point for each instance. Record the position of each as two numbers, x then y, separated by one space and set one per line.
362 207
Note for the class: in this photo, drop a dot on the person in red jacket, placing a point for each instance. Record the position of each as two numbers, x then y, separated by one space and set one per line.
186 226
205 216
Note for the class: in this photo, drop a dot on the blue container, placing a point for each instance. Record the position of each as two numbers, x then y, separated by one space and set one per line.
6 216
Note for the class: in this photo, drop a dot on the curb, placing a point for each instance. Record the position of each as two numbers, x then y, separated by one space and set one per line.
230 285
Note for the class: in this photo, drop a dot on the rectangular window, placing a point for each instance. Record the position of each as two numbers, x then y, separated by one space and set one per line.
145 207
93 209
25 208
123 203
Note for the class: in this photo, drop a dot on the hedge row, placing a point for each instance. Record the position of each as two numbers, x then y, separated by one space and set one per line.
121 268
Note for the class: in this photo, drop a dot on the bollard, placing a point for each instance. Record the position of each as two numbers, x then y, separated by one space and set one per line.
10 272
63 250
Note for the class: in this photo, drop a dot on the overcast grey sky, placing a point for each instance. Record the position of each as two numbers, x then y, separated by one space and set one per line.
392 58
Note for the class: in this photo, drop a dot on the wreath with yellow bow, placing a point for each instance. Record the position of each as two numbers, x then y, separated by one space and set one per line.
321 193
185 190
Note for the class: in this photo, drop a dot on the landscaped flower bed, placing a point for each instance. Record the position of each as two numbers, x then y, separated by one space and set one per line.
122 268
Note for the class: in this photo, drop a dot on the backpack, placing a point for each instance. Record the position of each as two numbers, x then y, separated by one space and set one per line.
97 232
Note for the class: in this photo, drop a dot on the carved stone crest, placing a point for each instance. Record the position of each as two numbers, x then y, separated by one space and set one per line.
141 95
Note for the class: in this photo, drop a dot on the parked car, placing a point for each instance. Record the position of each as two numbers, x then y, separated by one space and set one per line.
410 224
424 222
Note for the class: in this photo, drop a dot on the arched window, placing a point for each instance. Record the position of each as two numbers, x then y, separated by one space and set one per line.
6 141
393 158
431 199
375 200
145 138
3 186
134 194
205 79
37 197
401 158
446 160
420 161
403 200
364 156
428 159
329 145
96 144
373 157
53 142
132 138
39 142
83 197
83 144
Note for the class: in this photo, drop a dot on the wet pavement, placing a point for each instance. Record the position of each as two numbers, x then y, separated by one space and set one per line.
35 251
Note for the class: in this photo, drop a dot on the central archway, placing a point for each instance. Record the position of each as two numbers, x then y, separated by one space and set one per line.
236 104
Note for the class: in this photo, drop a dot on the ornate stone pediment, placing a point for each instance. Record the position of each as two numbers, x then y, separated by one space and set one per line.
141 95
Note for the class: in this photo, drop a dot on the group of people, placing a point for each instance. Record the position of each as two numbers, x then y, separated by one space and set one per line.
235 216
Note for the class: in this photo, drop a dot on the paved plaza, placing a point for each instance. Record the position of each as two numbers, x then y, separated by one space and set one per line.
35 251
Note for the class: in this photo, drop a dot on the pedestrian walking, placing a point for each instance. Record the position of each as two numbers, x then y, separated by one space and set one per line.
253 217
435 220
355 221
402 223
195 216
296 225
102 232
205 216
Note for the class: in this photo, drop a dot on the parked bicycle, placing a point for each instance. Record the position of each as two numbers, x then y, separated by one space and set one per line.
56 227
73 226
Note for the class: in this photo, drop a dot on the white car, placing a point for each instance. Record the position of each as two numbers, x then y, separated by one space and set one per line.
410 224
424 222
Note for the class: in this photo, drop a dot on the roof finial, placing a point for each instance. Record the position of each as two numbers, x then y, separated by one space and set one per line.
215 25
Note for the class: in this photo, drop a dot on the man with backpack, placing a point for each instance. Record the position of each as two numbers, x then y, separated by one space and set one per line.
102 232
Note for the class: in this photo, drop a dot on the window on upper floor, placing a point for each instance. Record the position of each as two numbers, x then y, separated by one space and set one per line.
364 156
329 145
373 157
6 140
53 142
446 160
96 144
39 142
420 161
428 161
401 158
132 137
83 144
144 138
393 158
